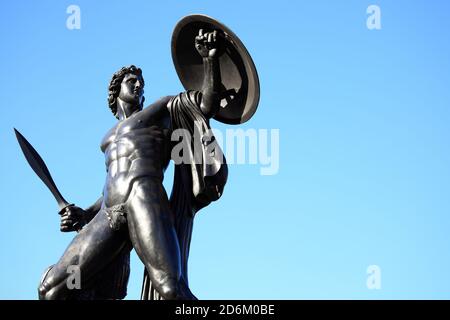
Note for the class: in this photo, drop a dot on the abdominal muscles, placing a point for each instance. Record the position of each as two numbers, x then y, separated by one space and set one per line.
128 160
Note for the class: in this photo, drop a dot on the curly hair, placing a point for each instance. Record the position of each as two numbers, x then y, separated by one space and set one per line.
116 81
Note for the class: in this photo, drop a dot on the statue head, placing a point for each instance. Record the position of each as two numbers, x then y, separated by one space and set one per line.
126 84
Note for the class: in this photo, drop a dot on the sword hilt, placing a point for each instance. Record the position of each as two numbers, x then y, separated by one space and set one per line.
77 226
61 212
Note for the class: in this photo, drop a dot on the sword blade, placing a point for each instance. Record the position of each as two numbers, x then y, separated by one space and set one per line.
38 165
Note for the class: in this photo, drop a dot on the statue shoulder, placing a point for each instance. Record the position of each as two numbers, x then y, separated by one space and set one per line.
161 103
159 107
190 99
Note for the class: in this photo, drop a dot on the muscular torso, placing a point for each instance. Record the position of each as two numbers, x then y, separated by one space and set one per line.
136 147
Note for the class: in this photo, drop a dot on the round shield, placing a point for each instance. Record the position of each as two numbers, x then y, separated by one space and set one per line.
238 73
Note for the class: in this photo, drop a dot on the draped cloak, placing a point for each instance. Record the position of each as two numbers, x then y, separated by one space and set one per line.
199 178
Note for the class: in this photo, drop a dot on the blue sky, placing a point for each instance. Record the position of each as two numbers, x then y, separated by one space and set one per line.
364 174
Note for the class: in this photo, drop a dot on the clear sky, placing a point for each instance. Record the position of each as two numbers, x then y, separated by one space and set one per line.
364 163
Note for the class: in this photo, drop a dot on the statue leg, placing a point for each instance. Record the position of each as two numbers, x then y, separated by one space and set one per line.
152 233
92 249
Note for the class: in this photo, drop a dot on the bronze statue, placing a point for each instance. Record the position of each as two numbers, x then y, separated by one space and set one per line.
134 211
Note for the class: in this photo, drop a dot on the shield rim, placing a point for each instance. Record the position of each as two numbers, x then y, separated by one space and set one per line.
250 68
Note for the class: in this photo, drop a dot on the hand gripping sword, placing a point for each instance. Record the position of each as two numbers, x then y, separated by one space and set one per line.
38 165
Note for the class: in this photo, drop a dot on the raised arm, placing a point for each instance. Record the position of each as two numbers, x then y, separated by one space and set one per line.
209 46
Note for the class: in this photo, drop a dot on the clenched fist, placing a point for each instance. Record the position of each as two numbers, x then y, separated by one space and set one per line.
73 218
209 44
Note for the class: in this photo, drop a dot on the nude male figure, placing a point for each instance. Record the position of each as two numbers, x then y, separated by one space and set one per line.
134 210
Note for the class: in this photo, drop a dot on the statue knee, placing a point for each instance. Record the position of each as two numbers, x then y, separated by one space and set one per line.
44 292
44 289
175 290
48 291
169 290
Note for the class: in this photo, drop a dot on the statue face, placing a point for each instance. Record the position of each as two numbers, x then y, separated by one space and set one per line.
131 89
